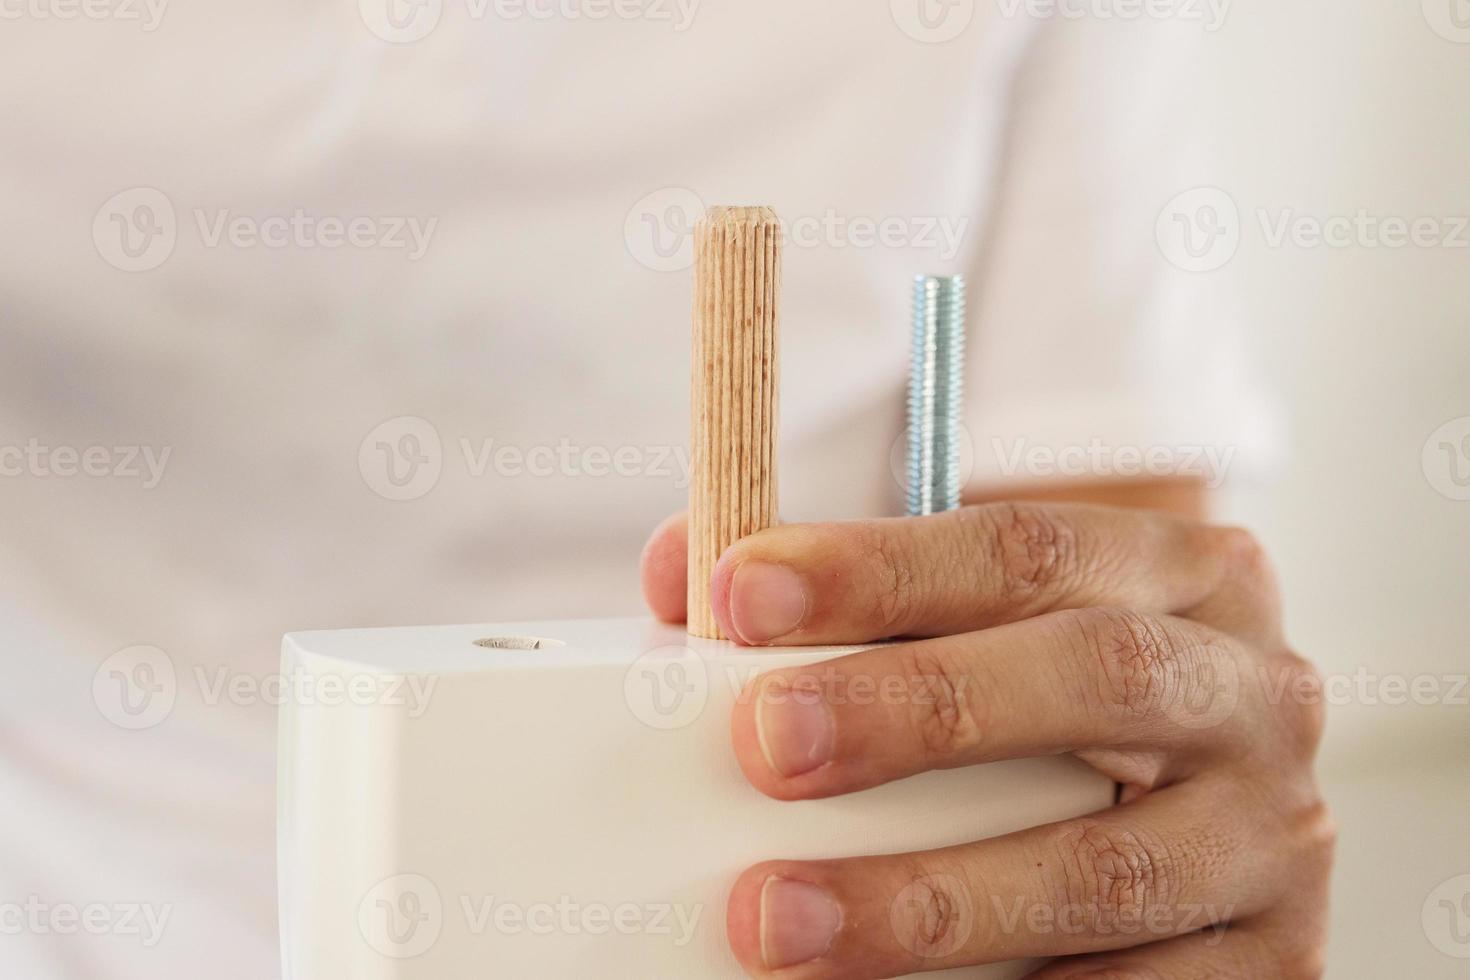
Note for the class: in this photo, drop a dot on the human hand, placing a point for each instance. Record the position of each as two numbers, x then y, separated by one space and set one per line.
1149 647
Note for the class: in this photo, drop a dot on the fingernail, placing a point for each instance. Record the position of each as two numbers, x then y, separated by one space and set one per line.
766 601
799 921
795 729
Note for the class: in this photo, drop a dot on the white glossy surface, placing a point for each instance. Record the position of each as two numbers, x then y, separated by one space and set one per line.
591 776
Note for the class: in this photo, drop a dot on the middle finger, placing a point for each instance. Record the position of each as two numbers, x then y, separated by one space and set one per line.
1161 694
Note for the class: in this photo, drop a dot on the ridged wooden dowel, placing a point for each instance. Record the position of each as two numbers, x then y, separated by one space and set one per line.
737 305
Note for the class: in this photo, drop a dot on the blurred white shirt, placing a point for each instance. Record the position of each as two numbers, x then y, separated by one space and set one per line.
376 332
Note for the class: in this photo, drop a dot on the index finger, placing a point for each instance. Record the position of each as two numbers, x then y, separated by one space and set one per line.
965 570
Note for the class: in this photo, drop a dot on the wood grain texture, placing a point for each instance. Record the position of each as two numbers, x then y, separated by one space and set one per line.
734 378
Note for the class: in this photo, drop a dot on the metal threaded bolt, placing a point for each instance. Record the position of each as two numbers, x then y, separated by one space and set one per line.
936 394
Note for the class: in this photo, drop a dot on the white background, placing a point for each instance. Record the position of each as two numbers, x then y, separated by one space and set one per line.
1332 108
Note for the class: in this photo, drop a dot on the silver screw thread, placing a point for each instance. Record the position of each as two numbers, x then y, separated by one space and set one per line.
936 394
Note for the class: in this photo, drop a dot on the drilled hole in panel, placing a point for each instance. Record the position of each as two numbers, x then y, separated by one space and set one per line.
517 643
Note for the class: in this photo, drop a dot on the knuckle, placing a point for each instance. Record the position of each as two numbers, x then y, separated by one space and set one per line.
934 913
1136 658
1296 698
1298 942
1310 717
1309 962
944 710
893 582
1309 720
1319 837
1243 552
1112 874
1247 565
1034 549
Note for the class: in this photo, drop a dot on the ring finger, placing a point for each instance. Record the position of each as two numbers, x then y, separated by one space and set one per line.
1169 864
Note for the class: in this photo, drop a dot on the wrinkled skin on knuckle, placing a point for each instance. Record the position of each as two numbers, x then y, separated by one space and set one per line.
936 914
1165 672
892 579
1111 875
944 705
1032 549
1134 656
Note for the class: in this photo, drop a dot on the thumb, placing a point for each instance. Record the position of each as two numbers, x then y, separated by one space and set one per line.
664 569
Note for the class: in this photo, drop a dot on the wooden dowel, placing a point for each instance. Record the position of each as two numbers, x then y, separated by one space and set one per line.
735 369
